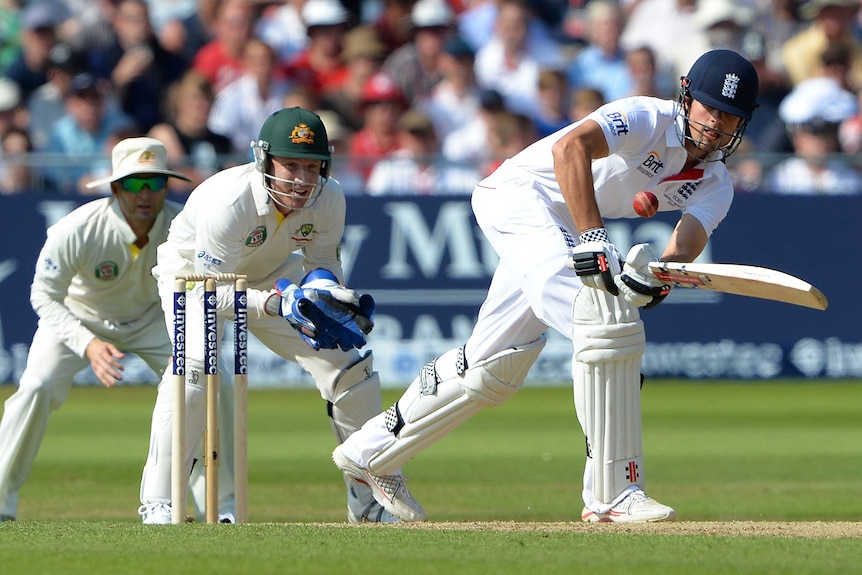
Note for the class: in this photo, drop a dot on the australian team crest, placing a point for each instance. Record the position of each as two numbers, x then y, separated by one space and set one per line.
306 229
107 271
147 157
256 237
302 134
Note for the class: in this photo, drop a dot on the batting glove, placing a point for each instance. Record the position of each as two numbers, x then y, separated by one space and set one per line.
636 283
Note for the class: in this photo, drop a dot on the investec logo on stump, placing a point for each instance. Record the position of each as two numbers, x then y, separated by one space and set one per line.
211 336
241 336
179 334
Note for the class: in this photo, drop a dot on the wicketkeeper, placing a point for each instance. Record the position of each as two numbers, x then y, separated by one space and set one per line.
279 221
543 211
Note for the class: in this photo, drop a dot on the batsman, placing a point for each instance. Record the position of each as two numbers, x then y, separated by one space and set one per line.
279 221
543 213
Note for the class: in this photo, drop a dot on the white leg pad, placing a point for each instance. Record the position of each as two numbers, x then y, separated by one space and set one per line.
609 341
355 398
445 395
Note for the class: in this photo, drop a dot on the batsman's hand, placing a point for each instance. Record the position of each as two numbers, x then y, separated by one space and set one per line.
636 283
596 263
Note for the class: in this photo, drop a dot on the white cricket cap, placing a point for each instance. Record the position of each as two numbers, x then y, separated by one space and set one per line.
138 156
818 99
324 13
432 14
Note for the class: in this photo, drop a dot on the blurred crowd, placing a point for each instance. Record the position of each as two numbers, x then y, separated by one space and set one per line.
418 96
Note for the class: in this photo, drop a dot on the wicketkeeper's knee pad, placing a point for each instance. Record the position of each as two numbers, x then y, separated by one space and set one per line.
355 398
447 393
609 341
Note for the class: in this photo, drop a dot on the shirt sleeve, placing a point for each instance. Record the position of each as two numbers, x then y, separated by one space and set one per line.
55 268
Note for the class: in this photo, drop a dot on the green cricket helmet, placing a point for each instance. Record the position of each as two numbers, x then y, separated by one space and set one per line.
292 133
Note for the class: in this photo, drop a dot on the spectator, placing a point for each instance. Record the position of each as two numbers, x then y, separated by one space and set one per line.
585 101
602 63
552 113
220 59
382 104
185 36
47 104
282 27
476 26
415 168
415 66
320 66
509 134
363 56
832 23
724 24
644 74
455 101
813 112
193 149
469 142
39 21
670 29
12 113
242 106
509 63
139 69
393 23
83 134
341 170
16 175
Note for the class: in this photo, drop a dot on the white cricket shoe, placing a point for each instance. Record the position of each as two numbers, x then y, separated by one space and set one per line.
226 517
389 490
636 508
155 514
363 508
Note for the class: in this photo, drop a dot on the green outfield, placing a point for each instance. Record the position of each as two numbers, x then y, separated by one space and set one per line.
765 477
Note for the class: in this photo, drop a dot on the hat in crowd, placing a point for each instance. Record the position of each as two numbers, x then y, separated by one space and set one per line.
41 14
335 128
492 100
84 82
10 95
416 122
458 47
382 88
363 42
818 100
812 8
324 13
138 156
713 12
65 58
432 14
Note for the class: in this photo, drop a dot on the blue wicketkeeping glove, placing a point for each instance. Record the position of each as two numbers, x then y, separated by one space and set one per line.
326 314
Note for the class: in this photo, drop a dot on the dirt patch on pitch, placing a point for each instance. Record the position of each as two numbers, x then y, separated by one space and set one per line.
802 529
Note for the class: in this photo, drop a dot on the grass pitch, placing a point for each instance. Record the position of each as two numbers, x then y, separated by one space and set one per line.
765 479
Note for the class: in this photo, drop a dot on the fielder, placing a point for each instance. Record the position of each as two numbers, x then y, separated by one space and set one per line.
273 220
96 301
543 211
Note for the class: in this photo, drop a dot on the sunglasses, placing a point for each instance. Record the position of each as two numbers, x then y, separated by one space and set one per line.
135 184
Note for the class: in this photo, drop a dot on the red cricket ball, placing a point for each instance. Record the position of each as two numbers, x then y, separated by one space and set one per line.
645 204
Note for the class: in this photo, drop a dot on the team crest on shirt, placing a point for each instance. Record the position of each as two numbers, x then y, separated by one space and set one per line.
303 233
107 271
256 237
302 134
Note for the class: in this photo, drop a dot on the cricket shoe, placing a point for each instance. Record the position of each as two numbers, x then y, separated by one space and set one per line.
227 517
363 508
6 518
636 508
389 490
155 514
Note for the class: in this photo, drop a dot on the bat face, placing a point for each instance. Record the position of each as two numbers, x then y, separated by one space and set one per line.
751 281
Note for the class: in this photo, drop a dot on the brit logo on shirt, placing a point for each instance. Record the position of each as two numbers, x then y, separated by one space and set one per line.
256 237
107 271
618 122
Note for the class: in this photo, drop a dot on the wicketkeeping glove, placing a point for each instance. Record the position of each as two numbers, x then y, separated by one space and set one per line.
636 283
326 318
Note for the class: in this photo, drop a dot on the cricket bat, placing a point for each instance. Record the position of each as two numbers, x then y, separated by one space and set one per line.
751 281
